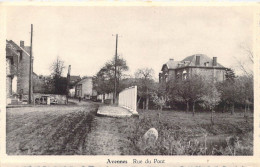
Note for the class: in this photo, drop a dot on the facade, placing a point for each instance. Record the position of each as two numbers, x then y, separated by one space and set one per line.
18 66
198 64
84 88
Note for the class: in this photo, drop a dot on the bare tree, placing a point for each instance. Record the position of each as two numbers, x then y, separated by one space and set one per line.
57 67
145 82
246 65
60 83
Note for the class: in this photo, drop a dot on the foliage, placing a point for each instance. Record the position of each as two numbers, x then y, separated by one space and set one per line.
103 81
230 74
144 81
240 90
188 90
59 82
159 101
210 99
180 135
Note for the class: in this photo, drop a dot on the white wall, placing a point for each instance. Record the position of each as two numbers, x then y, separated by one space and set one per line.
128 99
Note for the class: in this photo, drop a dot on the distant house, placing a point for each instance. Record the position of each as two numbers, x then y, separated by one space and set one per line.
84 88
195 64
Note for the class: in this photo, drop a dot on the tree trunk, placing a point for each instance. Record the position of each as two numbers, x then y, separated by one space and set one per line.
233 108
187 107
147 103
224 109
193 109
138 102
212 117
143 105
147 99
245 110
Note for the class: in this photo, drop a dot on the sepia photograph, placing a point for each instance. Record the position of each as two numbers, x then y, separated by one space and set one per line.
130 80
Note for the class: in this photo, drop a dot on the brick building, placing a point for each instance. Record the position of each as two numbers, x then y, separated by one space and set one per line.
198 64
17 69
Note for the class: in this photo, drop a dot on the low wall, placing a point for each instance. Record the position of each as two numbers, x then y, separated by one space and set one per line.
61 99
128 99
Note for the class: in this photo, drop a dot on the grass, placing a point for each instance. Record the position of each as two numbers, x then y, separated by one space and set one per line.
182 134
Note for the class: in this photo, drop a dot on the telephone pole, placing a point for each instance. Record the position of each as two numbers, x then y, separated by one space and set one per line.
115 84
30 66
68 83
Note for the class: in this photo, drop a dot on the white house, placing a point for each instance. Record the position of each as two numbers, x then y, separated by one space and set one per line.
84 88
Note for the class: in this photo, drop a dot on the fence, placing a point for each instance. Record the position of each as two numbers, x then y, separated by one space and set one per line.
128 99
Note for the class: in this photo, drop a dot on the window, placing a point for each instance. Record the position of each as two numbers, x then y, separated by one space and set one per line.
184 75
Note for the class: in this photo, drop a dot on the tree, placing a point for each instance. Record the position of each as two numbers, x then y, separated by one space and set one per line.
210 99
178 90
159 95
246 64
246 92
144 81
229 90
60 83
103 81
188 90
230 74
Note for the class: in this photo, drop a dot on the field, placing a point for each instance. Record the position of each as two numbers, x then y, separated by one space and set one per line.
180 133
76 130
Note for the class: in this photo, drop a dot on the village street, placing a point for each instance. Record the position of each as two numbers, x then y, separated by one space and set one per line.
62 130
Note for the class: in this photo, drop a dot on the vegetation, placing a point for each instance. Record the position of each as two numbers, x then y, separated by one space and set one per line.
182 134
144 81
103 81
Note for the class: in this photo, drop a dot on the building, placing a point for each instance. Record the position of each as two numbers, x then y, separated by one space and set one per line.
198 64
84 88
17 70
74 79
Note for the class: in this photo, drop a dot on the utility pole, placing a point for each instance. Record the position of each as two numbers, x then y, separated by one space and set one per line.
30 66
115 85
68 82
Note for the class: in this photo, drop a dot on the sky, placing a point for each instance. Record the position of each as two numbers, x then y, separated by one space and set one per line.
148 36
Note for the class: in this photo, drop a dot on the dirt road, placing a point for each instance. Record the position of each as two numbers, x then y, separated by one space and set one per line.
61 130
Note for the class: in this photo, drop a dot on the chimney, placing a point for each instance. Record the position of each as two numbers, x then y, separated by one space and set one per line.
214 61
22 44
197 60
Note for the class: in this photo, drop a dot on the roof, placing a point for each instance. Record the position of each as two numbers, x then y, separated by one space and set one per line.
171 64
74 78
83 79
11 50
191 61
16 47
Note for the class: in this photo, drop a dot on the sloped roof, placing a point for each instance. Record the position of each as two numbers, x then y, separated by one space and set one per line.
74 78
83 80
191 61
16 47
10 50
171 64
